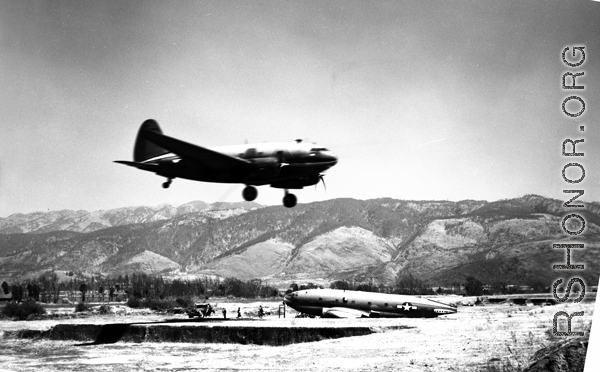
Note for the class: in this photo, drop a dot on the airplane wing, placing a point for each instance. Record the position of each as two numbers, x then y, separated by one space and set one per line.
344 312
209 158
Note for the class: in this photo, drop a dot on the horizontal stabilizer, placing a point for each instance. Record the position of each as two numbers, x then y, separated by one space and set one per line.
143 166
209 158
344 312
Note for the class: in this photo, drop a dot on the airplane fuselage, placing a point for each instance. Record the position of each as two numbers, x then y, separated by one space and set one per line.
345 303
276 163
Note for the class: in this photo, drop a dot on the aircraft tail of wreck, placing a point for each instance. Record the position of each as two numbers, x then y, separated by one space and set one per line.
336 303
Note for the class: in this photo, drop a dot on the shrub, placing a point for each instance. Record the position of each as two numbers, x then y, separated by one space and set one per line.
22 310
154 304
134 303
81 307
185 302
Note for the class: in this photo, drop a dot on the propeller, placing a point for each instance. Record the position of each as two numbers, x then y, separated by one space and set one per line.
321 179
228 192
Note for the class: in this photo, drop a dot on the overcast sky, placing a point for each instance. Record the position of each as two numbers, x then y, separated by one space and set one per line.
443 100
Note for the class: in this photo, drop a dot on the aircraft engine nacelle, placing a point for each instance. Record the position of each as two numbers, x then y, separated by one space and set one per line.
264 168
265 163
297 183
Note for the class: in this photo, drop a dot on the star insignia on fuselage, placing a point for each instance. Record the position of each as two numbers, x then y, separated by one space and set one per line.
407 306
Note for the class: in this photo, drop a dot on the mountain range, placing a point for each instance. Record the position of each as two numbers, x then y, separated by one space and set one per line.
508 241
83 221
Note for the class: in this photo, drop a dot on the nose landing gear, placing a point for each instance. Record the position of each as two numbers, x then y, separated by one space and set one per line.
167 183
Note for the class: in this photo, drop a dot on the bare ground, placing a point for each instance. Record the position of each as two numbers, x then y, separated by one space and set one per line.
493 337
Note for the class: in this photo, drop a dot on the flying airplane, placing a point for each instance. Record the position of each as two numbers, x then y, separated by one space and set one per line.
283 165
338 303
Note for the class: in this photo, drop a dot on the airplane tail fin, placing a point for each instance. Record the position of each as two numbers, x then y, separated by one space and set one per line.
144 149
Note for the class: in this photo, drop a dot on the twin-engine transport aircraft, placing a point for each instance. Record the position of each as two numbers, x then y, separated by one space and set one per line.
337 303
285 165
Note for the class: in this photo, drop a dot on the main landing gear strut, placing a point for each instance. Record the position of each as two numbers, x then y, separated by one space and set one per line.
250 193
167 183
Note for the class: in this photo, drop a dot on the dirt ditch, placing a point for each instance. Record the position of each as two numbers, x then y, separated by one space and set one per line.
195 333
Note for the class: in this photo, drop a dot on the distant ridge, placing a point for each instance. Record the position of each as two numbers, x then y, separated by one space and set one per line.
83 221
506 241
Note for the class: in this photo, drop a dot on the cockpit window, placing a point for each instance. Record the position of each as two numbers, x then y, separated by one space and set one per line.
317 149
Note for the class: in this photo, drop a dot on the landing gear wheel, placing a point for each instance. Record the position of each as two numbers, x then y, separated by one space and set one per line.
290 200
250 193
167 183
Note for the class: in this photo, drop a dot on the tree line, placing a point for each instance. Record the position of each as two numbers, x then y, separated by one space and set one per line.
407 284
48 288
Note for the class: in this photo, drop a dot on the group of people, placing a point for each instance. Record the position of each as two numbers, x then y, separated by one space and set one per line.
261 312
205 310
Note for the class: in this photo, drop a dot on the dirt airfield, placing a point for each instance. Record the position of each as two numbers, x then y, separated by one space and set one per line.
499 337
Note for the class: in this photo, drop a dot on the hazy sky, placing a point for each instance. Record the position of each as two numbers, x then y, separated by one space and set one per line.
419 99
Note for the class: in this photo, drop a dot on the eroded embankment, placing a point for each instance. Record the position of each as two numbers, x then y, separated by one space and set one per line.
196 333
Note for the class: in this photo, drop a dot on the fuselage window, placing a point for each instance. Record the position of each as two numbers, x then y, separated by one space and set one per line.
386 304
369 303
320 298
